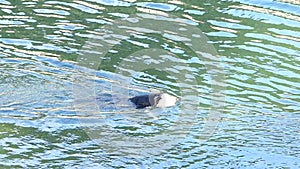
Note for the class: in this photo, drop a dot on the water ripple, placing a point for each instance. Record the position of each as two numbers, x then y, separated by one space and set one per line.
82 7
258 42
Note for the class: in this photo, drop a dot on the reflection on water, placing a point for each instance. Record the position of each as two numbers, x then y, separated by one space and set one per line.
40 43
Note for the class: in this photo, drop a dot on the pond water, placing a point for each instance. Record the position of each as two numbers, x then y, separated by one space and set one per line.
67 69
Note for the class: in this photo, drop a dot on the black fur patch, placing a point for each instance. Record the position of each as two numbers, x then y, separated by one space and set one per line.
141 101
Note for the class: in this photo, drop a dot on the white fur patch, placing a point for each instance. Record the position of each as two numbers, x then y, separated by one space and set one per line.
167 100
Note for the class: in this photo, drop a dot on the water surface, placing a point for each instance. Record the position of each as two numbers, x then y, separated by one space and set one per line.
45 124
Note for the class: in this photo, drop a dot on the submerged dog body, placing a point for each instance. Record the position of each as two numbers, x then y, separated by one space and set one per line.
155 100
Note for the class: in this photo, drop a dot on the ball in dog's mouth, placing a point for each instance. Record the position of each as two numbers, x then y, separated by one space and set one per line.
160 100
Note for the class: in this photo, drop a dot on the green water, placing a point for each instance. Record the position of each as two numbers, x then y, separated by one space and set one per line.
240 105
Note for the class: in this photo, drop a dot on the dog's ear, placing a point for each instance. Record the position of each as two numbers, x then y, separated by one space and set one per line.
154 98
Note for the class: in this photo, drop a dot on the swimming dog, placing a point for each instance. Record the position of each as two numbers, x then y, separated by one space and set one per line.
160 100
